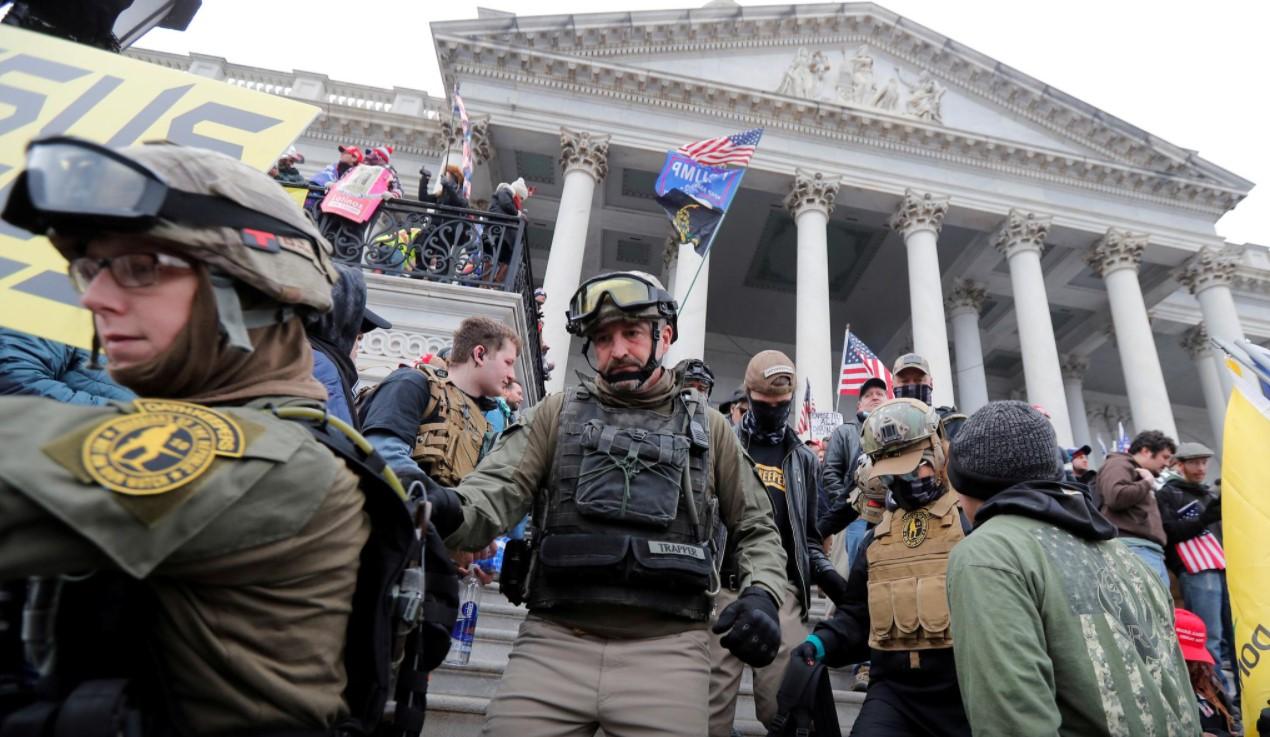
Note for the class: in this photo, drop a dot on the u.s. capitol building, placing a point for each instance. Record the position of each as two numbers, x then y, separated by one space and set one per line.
1028 244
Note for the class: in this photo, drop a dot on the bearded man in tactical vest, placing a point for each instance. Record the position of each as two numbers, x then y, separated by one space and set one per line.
895 614
431 420
625 475
215 539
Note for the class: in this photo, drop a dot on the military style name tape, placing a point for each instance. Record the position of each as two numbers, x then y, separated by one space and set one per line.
657 547
779 368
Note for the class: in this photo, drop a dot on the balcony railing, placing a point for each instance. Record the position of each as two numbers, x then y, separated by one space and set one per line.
420 240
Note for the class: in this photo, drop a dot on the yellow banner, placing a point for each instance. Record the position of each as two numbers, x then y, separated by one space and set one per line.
49 86
1246 519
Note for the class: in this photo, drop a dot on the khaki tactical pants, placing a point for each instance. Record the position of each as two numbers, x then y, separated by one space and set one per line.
560 682
726 669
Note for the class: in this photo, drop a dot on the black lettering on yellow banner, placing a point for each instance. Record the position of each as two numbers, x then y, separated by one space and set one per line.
49 86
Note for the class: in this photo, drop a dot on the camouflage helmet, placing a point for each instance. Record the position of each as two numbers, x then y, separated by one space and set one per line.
896 434
288 268
620 295
204 206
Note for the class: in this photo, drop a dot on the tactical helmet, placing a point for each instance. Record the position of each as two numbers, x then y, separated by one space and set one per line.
868 488
204 205
620 295
694 369
897 433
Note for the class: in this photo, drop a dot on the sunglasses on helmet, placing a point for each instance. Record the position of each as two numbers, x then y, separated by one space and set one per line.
75 186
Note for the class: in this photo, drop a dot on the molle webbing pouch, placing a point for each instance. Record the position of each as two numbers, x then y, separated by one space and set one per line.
450 439
630 475
577 559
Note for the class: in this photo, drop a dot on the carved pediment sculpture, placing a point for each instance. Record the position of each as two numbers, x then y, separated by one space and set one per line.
858 85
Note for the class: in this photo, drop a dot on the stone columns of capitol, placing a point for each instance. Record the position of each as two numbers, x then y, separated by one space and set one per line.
918 221
692 304
1021 238
1073 368
1208 276
810 202
964 304
584 159
1208 366
1115 257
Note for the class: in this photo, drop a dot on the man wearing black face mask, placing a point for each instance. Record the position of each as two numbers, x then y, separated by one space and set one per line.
913 380
789 471
895 614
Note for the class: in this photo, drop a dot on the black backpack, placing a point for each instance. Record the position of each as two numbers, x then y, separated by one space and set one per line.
805 703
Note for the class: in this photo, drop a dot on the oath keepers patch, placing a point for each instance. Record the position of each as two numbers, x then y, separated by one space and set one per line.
915 524
657 547
162 446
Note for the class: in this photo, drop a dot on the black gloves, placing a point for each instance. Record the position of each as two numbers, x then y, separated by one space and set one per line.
447 510
1211 513
833 584
752 623
805 653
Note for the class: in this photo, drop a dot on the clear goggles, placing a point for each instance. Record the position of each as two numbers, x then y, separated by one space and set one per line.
75 186
626 291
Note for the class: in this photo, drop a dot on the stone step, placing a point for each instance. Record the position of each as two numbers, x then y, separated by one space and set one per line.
457 692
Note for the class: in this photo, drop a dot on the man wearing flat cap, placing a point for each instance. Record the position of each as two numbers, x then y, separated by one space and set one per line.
1191 514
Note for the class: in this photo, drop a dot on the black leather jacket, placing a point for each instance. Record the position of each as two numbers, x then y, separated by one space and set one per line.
801 491
839 477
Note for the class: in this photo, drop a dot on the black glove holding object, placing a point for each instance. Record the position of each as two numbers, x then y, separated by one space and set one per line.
805 652
447 509
752 623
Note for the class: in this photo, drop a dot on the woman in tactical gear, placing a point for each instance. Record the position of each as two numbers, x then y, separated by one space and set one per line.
626 475
895 615
226 538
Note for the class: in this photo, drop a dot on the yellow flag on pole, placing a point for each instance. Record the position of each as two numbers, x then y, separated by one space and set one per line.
1246 520
54 87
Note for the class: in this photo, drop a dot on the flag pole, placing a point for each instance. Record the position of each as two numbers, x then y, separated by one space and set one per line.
709 245
846 338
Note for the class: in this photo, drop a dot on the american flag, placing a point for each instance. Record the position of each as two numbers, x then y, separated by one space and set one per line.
859 364
1202 552
804 415
460 111
737 149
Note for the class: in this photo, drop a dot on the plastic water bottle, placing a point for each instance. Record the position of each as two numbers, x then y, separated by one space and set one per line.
465 625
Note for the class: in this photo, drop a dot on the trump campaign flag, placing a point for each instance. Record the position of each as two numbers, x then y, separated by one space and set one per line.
699 180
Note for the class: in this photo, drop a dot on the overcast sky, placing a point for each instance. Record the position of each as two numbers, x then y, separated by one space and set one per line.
1194 74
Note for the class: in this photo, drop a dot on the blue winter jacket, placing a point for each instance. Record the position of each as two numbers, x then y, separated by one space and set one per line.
46 368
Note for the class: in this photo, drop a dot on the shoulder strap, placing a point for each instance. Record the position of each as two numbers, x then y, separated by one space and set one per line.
392 549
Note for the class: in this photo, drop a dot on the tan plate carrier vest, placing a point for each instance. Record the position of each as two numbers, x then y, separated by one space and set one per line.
449 441
908 563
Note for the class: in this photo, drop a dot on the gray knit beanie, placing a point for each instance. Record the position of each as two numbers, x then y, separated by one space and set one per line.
1003 444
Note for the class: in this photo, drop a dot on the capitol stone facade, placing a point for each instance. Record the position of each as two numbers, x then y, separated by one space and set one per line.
1028 244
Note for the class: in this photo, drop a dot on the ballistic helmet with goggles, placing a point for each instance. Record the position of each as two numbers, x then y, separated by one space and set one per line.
897 433
203 205
620 295
696 370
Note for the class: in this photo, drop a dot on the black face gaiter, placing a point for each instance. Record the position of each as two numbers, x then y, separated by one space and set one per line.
920 392
766 422
916 493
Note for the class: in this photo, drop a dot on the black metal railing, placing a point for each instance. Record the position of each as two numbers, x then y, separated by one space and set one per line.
450 245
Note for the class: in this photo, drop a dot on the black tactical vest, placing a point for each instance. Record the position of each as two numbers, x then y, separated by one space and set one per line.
626 520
